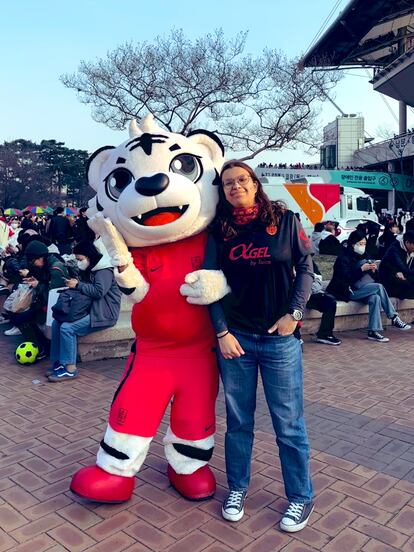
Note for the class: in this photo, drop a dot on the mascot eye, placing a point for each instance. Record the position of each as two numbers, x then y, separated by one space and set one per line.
116 182
187 165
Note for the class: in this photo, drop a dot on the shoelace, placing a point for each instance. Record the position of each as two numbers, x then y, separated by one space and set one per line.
295 510
234 499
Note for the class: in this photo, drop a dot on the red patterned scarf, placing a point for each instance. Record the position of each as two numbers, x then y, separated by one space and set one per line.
244 215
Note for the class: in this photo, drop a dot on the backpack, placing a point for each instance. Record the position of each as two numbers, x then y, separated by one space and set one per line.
71 305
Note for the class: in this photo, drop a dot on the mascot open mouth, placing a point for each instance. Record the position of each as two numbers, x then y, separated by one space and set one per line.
160 216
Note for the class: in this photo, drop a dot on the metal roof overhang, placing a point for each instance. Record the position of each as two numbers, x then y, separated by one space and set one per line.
361 21
397 79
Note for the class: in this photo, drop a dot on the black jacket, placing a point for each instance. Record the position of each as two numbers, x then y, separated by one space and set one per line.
60 230
347 271
81 230
28 224
259 269
395 260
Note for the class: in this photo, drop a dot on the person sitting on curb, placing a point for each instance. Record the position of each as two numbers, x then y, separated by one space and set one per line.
101 300
355 279
388 237
44 272
316 236
329 243
397 268
326 304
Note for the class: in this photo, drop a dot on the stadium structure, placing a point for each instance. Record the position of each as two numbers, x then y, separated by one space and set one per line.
376 35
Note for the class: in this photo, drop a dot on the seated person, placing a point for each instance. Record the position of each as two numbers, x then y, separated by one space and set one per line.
329 243
326 304
397 268
44 272
389 236
371 230
97 283
16 260
316 236
355 279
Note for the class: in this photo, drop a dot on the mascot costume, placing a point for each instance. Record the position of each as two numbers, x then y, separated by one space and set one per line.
156 194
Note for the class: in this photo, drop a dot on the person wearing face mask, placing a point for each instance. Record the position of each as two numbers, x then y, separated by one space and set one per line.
397 267
355 279
97 284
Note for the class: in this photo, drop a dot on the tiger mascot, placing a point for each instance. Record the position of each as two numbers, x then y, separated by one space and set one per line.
156 193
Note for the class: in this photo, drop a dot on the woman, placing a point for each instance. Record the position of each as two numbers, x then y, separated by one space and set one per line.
96 282
257 244
42 272
354 279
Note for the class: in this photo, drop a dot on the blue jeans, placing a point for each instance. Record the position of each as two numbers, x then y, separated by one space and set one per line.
280 362
64 346
376 296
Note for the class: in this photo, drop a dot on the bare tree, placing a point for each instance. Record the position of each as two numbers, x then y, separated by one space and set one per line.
254 103
384 132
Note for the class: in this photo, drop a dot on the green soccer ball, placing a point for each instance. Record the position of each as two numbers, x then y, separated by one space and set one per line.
26 353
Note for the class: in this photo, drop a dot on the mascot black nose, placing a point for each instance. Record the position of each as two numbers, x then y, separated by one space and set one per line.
152 185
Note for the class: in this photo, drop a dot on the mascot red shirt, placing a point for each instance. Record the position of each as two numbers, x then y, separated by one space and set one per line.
156 195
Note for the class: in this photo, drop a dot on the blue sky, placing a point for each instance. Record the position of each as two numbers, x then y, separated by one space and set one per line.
41 40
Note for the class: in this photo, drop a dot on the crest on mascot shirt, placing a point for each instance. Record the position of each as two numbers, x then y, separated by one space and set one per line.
158 186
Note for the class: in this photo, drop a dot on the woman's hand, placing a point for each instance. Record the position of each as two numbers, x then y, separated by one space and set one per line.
72 283
284 326
368 266
400 276
32 282
230 347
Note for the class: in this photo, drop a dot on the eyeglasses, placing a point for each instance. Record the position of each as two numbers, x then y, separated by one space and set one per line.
242 180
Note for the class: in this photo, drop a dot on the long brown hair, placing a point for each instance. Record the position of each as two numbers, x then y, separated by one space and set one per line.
269 212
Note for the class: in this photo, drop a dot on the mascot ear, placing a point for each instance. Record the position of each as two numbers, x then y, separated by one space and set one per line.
212 143
95 162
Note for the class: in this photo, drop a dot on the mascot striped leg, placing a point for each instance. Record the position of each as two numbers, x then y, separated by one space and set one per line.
188 469
120 457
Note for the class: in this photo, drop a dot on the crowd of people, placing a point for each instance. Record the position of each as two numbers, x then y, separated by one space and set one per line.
41 254
288 166
370 268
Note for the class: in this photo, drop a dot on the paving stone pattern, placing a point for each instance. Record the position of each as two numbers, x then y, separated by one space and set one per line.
360 415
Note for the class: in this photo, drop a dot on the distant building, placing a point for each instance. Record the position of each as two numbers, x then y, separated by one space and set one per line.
340 140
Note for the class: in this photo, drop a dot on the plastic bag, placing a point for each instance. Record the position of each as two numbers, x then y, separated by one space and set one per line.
20 300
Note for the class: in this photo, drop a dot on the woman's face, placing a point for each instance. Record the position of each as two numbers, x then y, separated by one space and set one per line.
81 258
239 187
361 243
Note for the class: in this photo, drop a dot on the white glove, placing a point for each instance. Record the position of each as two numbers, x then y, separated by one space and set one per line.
130 278
204 287
113 241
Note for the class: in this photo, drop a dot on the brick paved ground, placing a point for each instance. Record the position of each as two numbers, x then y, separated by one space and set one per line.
360 413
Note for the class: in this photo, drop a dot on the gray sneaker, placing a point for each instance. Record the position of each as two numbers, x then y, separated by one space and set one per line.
400 324
233 506
296 517
376 336
13 331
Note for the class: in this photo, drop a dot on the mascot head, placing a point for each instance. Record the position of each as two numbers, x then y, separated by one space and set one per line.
157 187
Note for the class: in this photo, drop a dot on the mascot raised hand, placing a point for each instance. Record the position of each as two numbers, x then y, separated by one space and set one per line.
156 193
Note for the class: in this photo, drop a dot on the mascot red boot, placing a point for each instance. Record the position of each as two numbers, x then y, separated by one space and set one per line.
156 194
